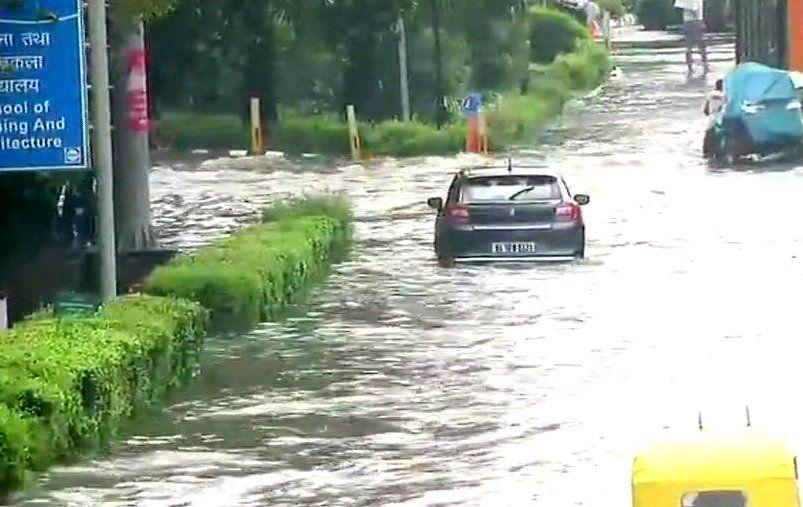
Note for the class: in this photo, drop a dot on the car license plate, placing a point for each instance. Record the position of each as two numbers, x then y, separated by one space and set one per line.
513 248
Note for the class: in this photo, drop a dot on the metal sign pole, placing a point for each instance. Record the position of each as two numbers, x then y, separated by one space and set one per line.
102 146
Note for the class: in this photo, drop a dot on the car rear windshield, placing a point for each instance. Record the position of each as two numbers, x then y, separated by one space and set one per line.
506 188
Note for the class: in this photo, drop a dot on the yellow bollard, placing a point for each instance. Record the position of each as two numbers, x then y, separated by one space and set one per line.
354 134
257 141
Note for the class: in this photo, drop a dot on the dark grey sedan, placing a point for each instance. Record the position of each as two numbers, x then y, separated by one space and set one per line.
508 214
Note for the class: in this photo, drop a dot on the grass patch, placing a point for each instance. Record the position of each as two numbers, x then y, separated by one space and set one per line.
249 277
66 384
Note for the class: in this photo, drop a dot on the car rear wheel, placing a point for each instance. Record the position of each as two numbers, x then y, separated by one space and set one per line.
445 258
581 251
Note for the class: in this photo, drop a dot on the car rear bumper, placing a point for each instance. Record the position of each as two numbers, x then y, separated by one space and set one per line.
520 258
471 244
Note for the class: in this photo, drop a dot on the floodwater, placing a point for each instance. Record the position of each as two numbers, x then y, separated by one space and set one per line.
402 383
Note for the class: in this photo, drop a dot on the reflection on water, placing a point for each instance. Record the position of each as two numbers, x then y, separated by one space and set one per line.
402 383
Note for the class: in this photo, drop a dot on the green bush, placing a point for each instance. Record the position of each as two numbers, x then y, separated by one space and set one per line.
247 278
553 32
406 139
328 135
583 69
518 117
615 7
208 131
657 14
15 445
313 134
67 383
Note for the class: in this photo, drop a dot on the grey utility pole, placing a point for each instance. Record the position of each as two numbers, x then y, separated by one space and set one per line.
102 146
405 84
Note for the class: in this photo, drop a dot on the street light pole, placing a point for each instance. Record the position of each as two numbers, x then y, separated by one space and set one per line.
102 146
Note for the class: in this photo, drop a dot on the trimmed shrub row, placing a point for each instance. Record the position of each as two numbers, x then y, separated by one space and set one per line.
67 383
247 278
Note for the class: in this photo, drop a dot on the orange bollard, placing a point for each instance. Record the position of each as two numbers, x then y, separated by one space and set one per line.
473 138
596 30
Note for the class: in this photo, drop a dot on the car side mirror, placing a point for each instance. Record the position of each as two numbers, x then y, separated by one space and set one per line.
582 199
435 203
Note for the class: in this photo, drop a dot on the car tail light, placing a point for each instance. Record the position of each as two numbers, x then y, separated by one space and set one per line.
569 212
457 213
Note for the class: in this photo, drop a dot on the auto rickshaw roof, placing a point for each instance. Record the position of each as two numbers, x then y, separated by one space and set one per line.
715 459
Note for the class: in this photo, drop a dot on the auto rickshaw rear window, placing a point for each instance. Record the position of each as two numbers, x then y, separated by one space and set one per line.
715 499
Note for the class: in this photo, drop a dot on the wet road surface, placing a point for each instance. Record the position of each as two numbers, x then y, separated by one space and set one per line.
402 383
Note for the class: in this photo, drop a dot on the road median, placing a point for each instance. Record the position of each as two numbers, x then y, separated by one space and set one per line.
67 382
248 277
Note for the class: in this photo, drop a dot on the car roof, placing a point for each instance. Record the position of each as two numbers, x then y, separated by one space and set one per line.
521 170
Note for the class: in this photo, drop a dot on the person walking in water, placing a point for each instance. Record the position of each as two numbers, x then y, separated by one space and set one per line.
593 18
713 105
694 29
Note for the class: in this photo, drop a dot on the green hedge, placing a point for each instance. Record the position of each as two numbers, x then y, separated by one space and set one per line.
406 139
67 383
313 134
553 32
247 278
188 130
518 117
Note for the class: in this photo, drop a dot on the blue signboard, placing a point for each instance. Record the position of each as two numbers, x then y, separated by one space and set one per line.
43 110
472 105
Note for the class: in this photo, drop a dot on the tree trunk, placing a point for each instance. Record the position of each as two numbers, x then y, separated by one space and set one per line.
131 149
440 111
716 15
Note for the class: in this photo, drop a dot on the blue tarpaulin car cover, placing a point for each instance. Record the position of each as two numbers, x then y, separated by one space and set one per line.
767 102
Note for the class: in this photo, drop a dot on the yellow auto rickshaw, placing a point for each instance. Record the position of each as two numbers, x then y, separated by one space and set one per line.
747 470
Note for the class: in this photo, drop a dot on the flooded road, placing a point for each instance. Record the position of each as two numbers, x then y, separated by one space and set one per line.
402 383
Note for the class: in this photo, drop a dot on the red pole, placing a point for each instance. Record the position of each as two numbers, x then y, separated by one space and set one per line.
472 141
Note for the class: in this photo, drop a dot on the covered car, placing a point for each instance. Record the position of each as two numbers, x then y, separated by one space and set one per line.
762 112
